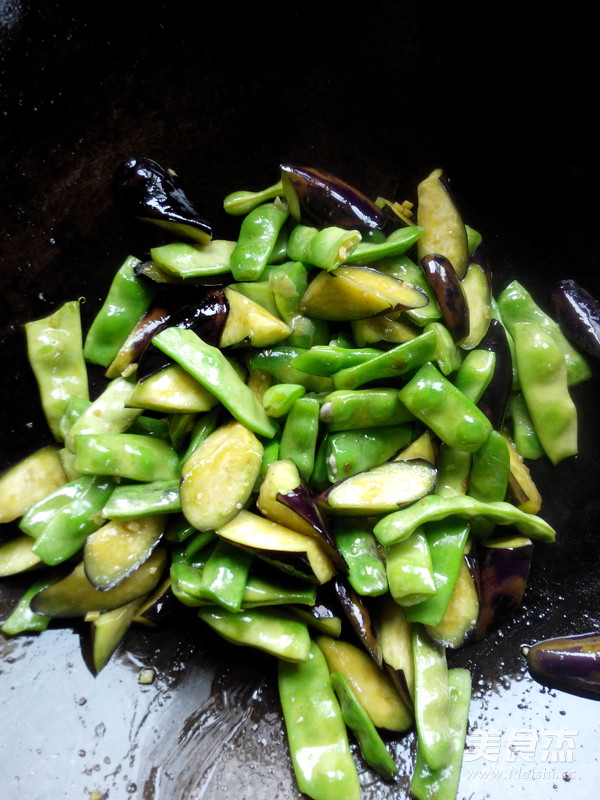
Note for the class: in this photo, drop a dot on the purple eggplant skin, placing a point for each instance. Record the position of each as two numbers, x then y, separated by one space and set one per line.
358 615
205 316
318 198
502 570
494 401
301 501
578 315
567 663
446 286
146 190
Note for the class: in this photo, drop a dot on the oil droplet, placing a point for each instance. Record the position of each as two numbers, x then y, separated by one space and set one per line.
131 787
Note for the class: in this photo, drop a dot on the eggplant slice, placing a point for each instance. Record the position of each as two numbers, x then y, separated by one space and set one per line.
148 191
316 197
380 490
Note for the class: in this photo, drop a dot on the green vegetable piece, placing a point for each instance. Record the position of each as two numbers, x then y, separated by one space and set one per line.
189 585
319 479
61 522
448 355
401 359
410 570
490 470
179 428
475 373
543 379
454 467
325 360
523 430
55 352
258 234
186 260
288 283
432 699
299 436
268 591
108 413
241 202
277 361
150 426
316 731
22 618
130 501
225 575
186 580
354 451
270 629
347 409
279 399
372 746
434 400
212 369
447 540
516 305
474 239
127 300
75 408
442 784
194 541
359 549
204 426
396 244
400 524
270 454
326 248
126 455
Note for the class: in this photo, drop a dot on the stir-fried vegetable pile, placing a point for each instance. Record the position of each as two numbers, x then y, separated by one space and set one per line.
316 436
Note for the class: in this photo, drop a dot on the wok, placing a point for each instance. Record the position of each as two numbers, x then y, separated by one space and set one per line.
380 98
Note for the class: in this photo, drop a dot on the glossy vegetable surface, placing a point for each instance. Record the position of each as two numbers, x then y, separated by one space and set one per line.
578 313
223 468
568 663
153 193
318 198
